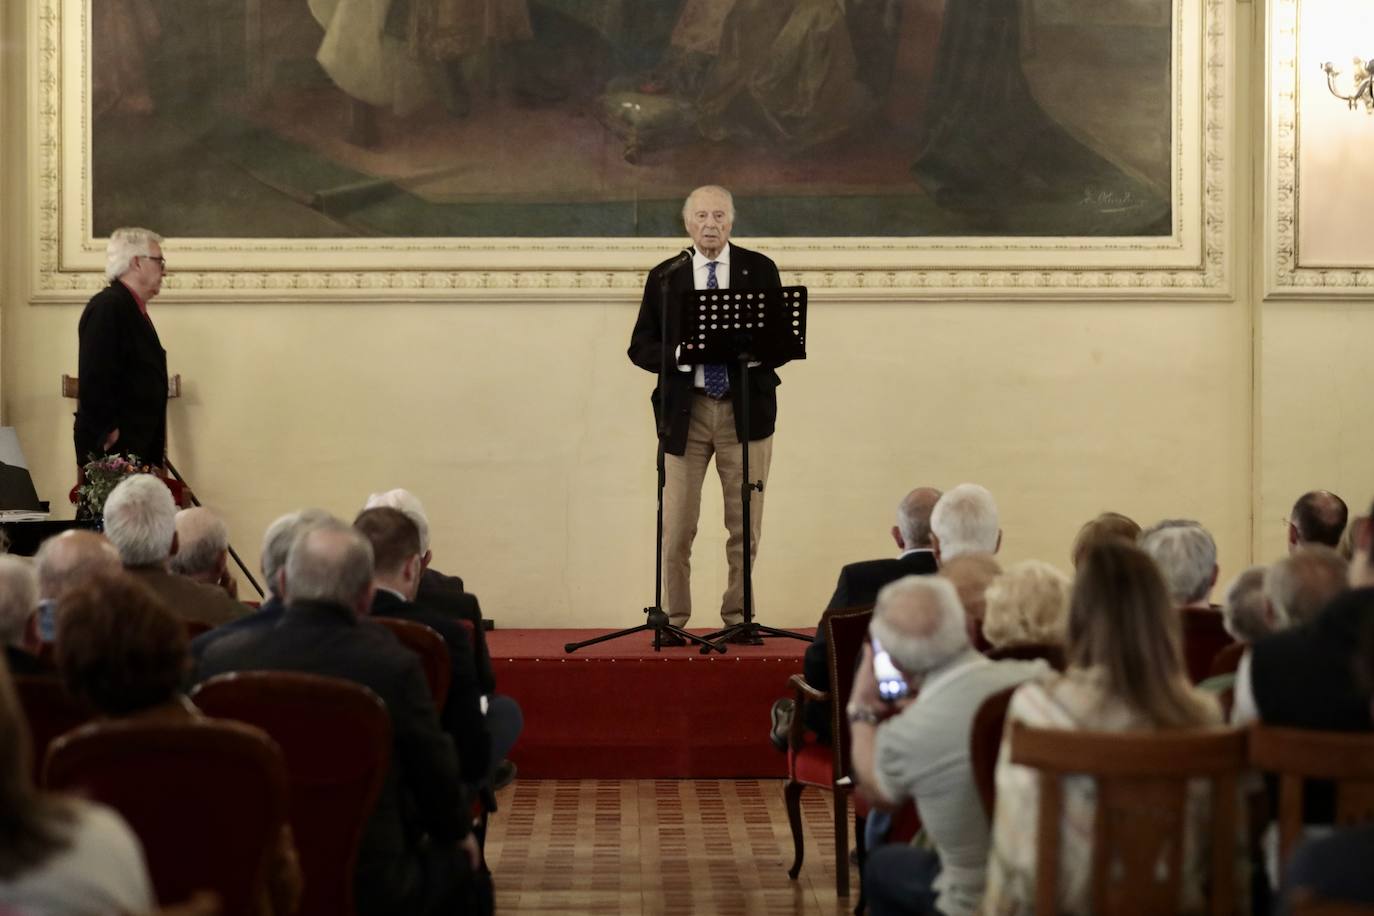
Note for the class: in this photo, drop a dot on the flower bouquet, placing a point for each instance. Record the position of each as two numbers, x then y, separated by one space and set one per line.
99 478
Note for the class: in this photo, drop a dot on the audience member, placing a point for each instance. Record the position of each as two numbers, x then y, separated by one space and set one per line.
123 653
418 850
396 574
1245 612
140 520
1107 526
1187 557
1125 672
971 574
58 854
1307 580
1346 548
1318 517
964 521
920 749
18 601
1027 610
276 541
203 549
63 562
858 586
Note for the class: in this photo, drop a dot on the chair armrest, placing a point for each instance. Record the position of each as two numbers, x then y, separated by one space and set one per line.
805 691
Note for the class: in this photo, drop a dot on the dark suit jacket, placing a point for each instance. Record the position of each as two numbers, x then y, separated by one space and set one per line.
422 794
748 270
858 586
21 662
445 595
263 618
462 716
123 379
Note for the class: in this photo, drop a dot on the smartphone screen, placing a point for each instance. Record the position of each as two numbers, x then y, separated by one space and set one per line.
892 685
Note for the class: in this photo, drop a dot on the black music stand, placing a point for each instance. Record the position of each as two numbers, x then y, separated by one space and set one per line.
744 326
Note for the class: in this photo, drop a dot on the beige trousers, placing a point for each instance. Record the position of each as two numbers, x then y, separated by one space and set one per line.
711 433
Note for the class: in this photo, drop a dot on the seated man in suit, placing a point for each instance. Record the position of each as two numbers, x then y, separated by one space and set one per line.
418 849
396 574
858 586
140 520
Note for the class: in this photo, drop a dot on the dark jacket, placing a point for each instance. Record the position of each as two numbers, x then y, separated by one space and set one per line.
748 270
122 379
462 715
445 595
263 618
422 795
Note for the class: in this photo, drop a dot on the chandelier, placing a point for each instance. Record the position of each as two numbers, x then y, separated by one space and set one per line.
1362 82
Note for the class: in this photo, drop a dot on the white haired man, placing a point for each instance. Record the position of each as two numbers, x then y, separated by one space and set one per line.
702 404
140 521
919 749
122 396
1245 613
965 521
203 548
18 600
1187 556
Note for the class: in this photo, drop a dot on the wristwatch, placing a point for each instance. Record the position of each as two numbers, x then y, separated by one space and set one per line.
866 714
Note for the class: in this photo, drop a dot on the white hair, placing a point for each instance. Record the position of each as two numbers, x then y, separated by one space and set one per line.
18 597
202 539
1186 554
280 535
408 503
1028 605
965 521
1242 613
125 245
939 631
141 520
729 199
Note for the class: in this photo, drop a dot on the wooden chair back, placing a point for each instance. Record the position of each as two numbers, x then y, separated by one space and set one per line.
336 738
1296 755
1142 812
425 642
51 712
845 633
985 742
206 798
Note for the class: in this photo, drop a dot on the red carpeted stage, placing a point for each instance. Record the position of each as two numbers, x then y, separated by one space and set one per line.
619 710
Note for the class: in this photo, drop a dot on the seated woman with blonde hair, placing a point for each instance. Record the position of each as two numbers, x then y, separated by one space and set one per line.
1027 613
1125 673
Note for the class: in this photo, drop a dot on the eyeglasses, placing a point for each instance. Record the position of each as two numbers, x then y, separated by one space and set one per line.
161 261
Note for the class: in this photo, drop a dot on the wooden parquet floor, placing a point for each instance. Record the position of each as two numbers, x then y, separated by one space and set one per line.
660 847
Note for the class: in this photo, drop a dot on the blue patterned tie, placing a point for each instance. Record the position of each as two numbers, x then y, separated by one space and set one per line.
717 380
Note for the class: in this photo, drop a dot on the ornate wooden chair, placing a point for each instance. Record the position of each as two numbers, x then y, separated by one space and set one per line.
1296 755
1138 833
985 741
433 652
812 764
336 738
206 798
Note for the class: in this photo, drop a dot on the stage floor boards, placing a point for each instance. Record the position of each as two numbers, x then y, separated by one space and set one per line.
660 847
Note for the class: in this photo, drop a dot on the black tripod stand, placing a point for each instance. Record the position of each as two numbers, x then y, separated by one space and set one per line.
657 620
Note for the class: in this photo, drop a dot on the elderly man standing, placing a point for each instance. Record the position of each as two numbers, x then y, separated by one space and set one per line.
702 406
140 520
122 397
919 749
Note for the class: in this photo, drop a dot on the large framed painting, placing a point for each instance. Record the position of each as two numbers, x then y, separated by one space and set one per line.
1321 131
402 149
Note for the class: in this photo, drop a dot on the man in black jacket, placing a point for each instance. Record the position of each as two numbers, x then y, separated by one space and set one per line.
418 851
703 405
122 392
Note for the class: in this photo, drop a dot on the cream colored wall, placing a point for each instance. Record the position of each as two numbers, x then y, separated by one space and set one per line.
527 432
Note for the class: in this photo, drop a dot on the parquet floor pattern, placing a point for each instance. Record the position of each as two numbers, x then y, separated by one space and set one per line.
655 847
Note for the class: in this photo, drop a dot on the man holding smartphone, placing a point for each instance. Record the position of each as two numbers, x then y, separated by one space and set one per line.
917 688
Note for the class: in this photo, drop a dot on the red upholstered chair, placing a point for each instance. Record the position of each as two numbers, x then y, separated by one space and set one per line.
206 798
1296 755
50 711
1227 660
985 741
813 764
425 642
336 738
1203 637
1142 792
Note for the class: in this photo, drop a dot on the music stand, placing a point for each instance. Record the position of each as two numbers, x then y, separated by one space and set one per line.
744 326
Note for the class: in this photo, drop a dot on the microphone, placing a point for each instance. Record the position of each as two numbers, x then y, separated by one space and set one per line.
678 262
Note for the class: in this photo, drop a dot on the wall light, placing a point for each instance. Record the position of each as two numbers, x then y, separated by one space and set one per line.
1362 80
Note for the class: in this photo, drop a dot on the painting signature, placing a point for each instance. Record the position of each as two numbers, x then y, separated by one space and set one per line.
1105 201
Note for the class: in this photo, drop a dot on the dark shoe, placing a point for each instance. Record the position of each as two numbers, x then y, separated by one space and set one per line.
503 775
744 638
783 710
669 639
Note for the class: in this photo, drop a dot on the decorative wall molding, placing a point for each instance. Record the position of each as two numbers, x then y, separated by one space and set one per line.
1191 263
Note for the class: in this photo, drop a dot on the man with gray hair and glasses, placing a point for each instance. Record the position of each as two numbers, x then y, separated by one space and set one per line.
904 748
122 368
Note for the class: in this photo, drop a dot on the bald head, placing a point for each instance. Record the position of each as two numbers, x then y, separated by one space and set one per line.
912 531
1318 517
919 621
70 559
